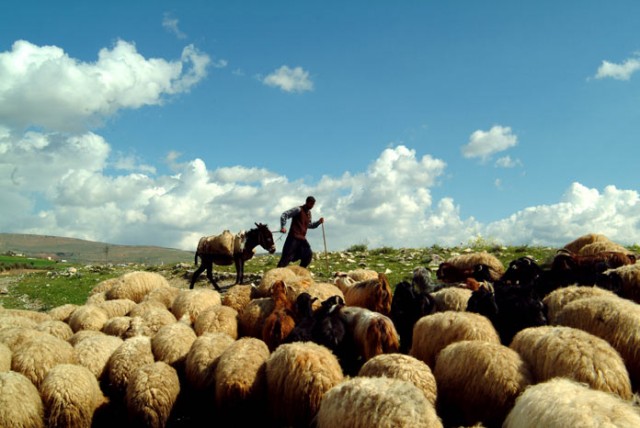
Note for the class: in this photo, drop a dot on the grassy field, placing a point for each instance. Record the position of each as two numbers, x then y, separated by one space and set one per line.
26 283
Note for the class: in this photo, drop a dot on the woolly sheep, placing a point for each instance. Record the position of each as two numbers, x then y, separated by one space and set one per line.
104 286
148 319
373 333
403 367
603 247
421 280
237 296
132 354
296 282
240 384
451 299
478 381
70 394
172 343
5 358
471 260
8 321
561 403
629 277
39 354
117 326
95 299
322 291
136 285
202 359
558 298
434 332
117 307
38 317
217 319
88 317
298 375
373 294
62 313
363 402
556 351
577 244
94 352
345 280
55 328
20 402
82 335
164 295
192 303
615 320
151 394
251 317
13 337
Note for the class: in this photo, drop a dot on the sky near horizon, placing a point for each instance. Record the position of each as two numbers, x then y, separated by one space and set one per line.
412 123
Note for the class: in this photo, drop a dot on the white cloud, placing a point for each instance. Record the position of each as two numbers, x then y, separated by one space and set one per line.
618 71
484 144
507 162
35 78
613 212
171 25
289 79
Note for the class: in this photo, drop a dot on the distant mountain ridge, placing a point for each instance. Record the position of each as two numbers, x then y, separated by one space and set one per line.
82 251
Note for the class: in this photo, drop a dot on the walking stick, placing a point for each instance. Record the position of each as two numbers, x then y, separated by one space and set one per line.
326 255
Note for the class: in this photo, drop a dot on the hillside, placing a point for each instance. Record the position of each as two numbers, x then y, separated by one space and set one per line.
81 251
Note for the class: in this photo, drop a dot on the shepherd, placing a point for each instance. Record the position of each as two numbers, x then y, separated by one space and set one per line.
227 248
296 247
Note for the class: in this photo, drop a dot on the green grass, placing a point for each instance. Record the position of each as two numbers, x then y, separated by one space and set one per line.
15 262
52 287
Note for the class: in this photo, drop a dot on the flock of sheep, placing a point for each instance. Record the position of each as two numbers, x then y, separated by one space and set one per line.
477 344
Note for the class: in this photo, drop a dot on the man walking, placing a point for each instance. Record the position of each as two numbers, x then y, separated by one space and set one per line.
296 246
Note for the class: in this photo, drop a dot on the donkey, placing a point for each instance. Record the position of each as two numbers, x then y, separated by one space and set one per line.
260 235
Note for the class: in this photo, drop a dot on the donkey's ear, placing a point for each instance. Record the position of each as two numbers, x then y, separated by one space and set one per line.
257 225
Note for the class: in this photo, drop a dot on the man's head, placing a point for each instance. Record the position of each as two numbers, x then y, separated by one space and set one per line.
310 202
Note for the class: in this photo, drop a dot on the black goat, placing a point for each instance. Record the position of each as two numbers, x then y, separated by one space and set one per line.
407 307
510 308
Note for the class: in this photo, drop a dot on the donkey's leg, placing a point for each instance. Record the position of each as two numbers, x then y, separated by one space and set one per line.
210 276
239 270
196 274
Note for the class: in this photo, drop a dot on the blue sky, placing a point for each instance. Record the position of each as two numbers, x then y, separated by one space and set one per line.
413 124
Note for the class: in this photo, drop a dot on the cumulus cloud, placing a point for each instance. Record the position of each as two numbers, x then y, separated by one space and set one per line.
612 212
622 71
35 78
290 79
484 144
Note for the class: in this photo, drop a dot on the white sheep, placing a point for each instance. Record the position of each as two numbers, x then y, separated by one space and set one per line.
70 394
151 394
5 358
558 298
59 329
117 326
298 375
136 285
202 359
63 312
403 367
193 302
39 354
217 319
94 352
363 402
172 343
478 381
88 317
20 402
613 319
561 403
240 380
451 299
132 354
434 332
557 351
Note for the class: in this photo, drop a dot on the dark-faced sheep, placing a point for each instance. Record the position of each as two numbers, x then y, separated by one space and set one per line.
407 307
